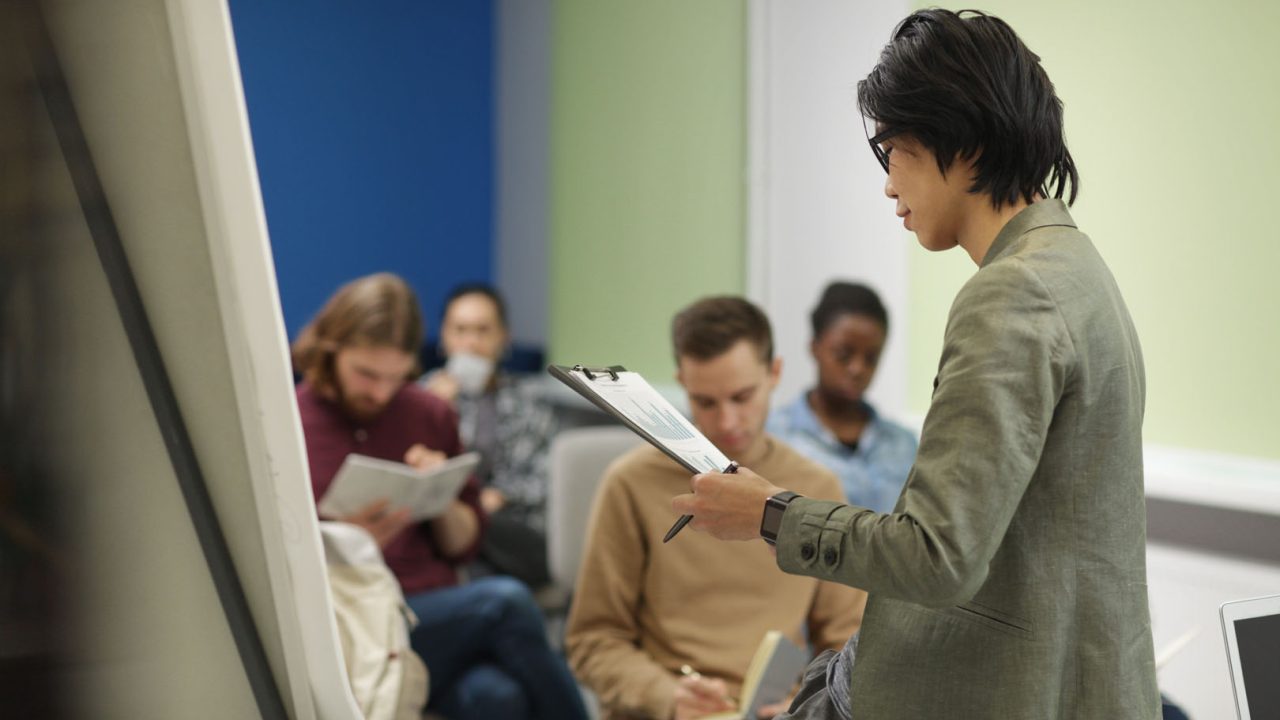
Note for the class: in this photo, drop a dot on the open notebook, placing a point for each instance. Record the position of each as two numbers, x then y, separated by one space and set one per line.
362 480
770 677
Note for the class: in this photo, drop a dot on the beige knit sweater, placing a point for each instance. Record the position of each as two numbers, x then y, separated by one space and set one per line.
642 609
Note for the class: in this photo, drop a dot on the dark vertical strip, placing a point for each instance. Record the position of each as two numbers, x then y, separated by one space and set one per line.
1234 533
146 352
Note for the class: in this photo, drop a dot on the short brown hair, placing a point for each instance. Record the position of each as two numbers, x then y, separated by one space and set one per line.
711 326
373 311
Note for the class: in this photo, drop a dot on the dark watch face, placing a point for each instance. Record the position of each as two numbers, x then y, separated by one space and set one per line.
772 519
770 526
774 508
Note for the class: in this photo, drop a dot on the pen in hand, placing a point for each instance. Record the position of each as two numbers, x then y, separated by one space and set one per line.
688 671
684 519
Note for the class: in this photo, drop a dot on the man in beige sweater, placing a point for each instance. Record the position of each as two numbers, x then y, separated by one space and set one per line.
644 610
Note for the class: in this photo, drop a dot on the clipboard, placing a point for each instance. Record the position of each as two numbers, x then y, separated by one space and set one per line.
622 394
629 398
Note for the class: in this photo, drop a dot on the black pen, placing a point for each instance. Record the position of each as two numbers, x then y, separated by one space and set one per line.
684 519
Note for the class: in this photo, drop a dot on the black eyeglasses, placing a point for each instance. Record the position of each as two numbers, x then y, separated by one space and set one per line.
880 152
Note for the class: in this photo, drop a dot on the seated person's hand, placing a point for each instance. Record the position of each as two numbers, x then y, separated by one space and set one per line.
442 385
492 499
768 712
380 520
420 457
698 696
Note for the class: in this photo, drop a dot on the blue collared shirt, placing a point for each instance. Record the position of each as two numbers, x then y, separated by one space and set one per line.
872 474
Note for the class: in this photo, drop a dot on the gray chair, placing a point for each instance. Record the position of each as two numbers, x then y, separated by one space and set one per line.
578 459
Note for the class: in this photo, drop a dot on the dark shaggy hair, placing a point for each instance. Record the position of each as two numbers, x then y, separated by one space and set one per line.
964 85
477 288
845 298
711 326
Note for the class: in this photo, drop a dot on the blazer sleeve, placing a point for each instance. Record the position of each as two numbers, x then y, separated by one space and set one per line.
835 612
1004 366
602 636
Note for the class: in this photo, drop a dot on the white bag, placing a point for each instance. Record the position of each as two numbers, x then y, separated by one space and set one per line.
388 680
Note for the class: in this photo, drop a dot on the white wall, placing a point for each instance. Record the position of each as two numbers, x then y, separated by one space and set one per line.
817 209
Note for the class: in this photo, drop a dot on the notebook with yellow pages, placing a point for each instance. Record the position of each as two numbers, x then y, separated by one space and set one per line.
770 677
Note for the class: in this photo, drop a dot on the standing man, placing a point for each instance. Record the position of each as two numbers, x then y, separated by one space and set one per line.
643 610
484 641
1010 579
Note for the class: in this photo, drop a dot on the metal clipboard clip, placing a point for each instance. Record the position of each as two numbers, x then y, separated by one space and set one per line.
591 373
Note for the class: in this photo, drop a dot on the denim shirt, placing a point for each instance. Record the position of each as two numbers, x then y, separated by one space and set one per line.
873 474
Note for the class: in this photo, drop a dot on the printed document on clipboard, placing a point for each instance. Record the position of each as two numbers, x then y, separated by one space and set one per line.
630 398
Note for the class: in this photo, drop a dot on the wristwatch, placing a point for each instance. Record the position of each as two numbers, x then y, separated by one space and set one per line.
771 521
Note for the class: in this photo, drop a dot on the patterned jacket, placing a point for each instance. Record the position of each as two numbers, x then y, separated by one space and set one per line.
517 466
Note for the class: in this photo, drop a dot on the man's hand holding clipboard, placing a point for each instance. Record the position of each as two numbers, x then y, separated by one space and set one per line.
686 518
726 505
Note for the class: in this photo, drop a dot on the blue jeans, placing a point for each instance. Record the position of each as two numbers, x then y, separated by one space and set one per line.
486 649
824 689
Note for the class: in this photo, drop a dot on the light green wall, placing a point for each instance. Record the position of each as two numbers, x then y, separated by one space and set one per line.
1173 115
647 167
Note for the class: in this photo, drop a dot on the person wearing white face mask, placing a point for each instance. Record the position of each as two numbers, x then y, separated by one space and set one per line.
508 420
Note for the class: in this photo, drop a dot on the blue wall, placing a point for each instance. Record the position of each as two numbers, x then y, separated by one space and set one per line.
373 129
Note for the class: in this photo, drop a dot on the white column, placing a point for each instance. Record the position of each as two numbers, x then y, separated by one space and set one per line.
522 110
816 204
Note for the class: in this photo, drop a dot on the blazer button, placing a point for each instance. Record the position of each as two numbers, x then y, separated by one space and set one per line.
829 556
807 551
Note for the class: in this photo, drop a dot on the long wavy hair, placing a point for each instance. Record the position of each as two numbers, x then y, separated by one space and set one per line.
373 311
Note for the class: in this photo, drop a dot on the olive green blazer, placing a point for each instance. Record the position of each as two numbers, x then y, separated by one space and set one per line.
1010 580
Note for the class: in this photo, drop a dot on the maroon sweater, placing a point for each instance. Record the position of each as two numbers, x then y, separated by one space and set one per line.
412 416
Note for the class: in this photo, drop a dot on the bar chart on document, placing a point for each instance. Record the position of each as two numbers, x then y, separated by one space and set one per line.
662 423
635 398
